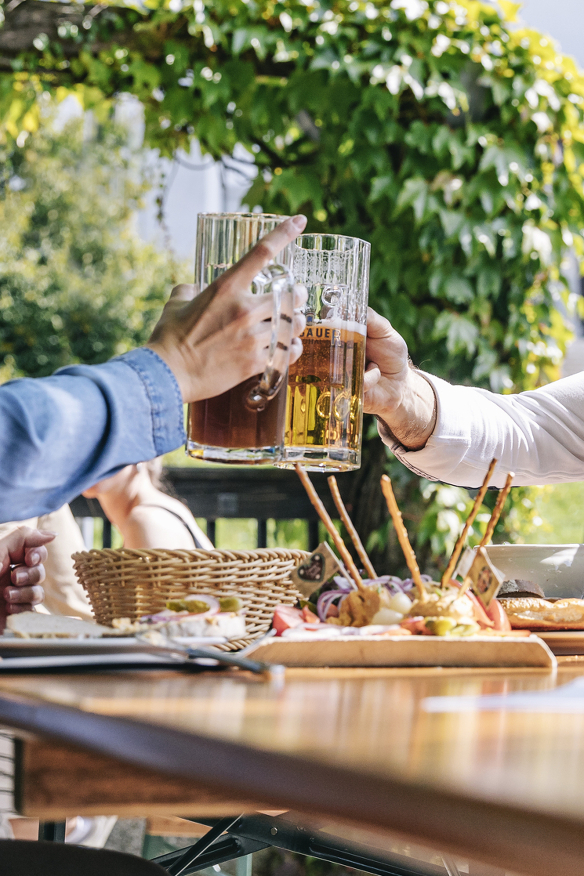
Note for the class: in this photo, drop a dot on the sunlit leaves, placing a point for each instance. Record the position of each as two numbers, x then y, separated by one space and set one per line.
76 282
414 194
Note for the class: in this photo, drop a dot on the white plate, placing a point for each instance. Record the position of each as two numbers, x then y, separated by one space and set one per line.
200 642
557 568
11 646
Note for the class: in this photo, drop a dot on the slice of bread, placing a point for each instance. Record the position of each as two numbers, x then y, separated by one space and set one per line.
539 614
32 625
519 588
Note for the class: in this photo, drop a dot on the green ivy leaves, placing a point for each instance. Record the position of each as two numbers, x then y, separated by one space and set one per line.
451 141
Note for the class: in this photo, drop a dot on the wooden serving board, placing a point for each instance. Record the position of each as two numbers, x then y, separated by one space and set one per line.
405 651
564 643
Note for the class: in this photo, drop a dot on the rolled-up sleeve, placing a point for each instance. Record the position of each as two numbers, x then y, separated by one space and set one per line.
538 434
61 434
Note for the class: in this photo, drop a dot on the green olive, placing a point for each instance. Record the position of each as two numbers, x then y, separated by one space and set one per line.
194 606
230 603
440 626
177 605
469 629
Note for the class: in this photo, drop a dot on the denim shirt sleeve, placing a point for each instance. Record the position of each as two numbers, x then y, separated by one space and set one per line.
59 435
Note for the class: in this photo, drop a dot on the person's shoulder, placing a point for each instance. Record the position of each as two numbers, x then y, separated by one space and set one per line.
140 527
175 506
151 527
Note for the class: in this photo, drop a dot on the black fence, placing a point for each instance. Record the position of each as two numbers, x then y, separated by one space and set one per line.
212 493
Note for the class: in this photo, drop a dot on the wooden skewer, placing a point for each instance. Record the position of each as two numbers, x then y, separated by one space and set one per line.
501 498
367 565
330 527
461 538
402 535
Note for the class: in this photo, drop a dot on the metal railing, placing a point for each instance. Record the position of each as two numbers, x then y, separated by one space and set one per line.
212 494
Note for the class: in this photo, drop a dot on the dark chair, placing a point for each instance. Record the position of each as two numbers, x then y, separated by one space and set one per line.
25 858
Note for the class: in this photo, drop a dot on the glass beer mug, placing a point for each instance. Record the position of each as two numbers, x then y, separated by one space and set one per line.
324 418
245 424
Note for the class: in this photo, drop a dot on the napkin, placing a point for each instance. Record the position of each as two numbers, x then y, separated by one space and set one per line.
568 698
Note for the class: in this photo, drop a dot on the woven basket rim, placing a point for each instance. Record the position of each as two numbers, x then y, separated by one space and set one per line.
197 552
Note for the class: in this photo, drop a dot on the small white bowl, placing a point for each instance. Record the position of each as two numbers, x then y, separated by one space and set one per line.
557 568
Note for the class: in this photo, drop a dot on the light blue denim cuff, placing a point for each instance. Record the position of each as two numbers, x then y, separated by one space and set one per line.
164 395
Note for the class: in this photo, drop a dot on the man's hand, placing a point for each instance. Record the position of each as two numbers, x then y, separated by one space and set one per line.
399 396
22 554
217 339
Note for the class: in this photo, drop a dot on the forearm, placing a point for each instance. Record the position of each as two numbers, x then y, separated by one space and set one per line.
61 434
538 434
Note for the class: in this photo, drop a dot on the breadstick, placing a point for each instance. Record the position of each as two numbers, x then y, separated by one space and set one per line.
501 498
461 538
402 535
367 565
330 527
492 523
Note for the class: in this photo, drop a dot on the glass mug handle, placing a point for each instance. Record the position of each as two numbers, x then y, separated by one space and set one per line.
279 281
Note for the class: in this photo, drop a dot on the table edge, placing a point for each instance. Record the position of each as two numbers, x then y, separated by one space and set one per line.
527 840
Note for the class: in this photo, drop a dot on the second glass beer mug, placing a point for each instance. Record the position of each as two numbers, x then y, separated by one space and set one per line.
324 418
246 424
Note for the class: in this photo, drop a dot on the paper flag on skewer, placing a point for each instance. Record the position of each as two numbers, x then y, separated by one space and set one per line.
318 568
485 578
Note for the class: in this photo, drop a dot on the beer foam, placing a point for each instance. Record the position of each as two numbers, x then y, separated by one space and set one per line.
347 325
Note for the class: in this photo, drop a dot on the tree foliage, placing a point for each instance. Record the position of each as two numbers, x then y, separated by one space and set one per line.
76 282
430 127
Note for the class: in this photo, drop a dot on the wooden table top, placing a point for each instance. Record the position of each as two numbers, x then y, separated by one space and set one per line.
355 744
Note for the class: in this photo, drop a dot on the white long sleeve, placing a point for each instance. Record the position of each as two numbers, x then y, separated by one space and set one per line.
538 434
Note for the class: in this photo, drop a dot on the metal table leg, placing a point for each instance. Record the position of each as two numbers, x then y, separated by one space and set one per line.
248 834
52 831
189 860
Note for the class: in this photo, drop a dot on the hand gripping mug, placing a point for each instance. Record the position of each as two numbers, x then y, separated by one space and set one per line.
324 418
245 425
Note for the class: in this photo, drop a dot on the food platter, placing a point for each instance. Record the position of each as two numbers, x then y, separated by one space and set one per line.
395 651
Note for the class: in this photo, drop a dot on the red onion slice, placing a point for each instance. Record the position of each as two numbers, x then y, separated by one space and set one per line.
167 614
162 616
343 583
330 597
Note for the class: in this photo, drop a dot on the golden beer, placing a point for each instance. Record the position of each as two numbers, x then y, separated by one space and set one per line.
324 411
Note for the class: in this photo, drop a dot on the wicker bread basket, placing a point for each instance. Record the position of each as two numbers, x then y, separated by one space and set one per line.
132 583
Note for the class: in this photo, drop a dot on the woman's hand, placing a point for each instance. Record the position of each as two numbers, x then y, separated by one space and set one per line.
217 339
22 554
